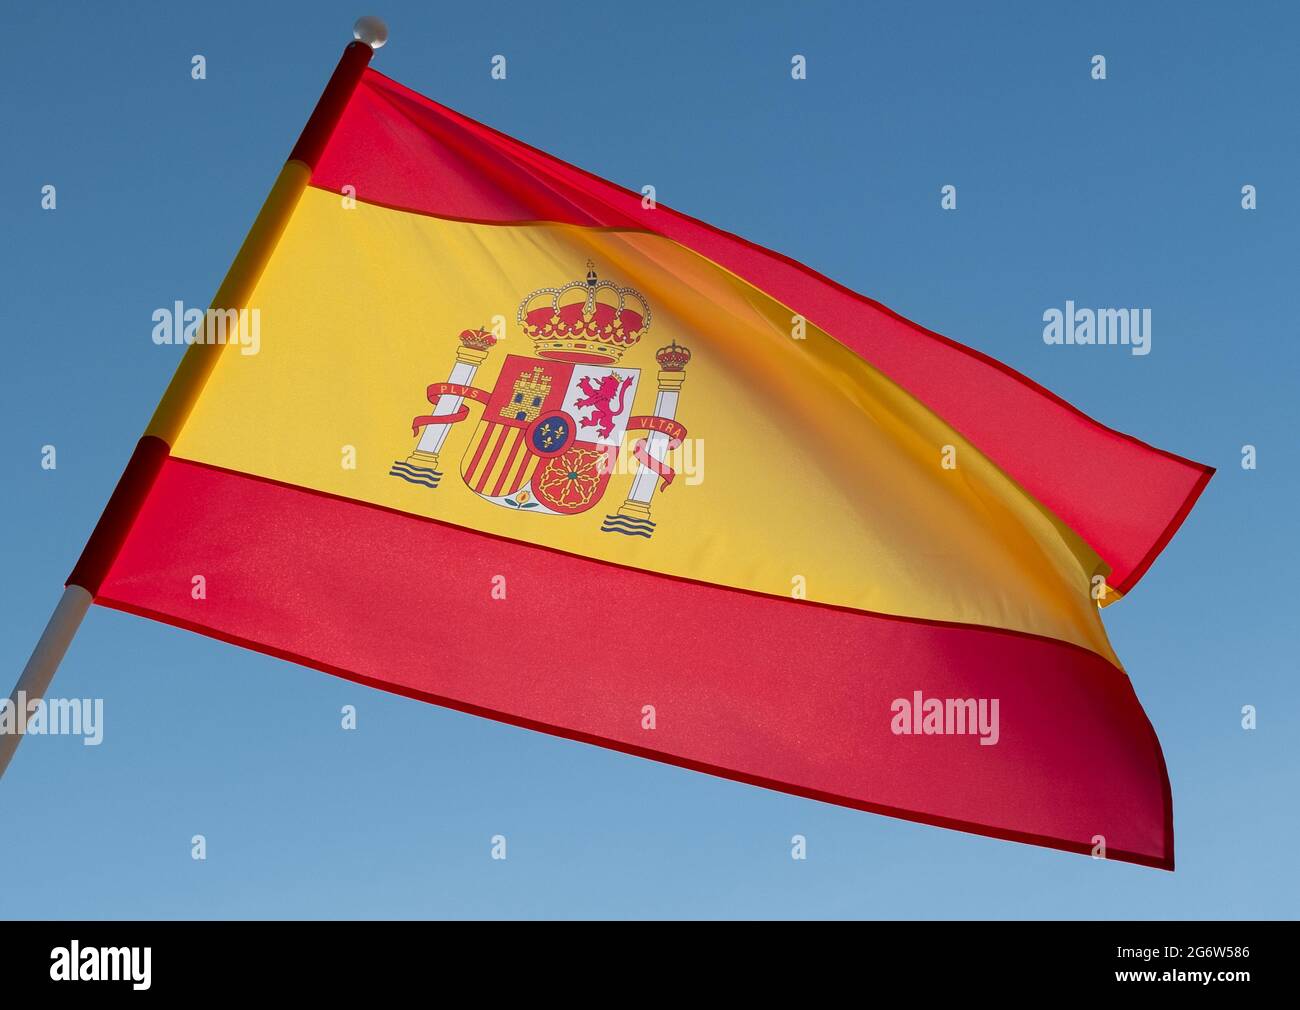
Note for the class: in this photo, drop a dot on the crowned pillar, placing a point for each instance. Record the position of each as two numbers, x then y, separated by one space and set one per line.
473 351
636 509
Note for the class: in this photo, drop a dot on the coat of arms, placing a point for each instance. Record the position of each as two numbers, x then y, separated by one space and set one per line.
553 425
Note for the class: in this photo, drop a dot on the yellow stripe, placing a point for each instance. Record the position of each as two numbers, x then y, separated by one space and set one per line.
819 475
523 470
528 466
481 433
491 457
237 287
477 452
509 458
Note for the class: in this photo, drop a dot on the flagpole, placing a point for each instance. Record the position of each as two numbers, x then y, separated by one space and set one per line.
369 33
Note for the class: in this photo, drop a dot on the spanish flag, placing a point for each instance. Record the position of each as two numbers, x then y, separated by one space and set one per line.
517 441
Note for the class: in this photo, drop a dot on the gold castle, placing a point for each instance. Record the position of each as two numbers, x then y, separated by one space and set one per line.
528 395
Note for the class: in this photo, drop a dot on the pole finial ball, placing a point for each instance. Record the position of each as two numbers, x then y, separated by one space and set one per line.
371 30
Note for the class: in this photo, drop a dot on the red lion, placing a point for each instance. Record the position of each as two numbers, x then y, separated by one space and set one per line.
599 398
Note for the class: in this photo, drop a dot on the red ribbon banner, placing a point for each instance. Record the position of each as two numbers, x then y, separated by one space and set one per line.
440 389
676 432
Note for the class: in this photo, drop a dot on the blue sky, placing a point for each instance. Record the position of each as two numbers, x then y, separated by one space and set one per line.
1124 192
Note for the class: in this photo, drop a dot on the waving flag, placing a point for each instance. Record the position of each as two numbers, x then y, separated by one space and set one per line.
465 461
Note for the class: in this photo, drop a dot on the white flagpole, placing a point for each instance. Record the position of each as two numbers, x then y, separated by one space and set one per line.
370 34
39 671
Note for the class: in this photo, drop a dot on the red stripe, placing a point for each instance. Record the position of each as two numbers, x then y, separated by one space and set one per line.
1124 497
520 471
510 459
1123 585
333 100
478 451
487 467
778 693
115 521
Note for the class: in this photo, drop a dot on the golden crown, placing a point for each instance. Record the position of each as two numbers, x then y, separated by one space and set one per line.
478 340
594 329
674 357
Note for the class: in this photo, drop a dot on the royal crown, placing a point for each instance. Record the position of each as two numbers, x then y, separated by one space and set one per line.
478 340
589 322
674 357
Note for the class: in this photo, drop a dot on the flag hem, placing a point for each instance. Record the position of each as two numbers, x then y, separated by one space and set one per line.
1175 523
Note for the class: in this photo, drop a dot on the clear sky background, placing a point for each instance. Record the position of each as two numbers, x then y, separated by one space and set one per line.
1124 192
